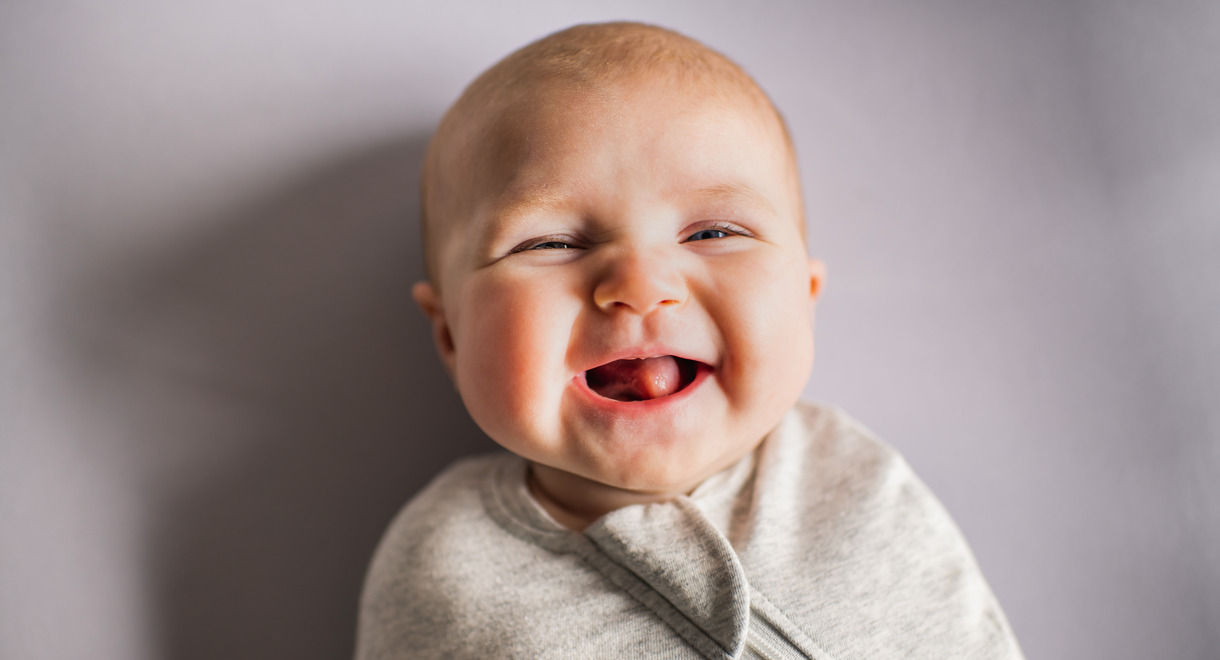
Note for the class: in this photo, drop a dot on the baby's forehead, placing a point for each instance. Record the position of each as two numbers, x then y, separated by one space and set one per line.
493 117
614 93
542 112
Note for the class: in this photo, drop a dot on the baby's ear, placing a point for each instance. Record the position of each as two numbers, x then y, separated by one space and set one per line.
817 275
426 296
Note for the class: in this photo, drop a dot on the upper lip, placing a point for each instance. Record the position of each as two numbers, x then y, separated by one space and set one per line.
640 353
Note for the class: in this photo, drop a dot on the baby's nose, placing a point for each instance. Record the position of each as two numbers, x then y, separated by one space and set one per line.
640 282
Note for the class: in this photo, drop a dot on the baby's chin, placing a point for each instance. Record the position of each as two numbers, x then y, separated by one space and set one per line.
664 476
577 500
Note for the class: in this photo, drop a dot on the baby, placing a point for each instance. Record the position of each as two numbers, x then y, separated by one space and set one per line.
619 287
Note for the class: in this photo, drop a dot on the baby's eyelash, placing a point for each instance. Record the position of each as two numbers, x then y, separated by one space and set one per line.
725 227
555 243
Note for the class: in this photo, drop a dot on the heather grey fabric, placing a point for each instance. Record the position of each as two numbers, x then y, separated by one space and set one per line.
821 544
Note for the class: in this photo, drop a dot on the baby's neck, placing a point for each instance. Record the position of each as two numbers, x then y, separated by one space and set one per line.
575 502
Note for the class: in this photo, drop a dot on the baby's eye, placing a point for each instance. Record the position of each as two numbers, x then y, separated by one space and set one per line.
717 230
705 234
545 243
550 245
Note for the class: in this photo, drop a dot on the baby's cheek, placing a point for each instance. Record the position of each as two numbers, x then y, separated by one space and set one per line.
503 360
774 314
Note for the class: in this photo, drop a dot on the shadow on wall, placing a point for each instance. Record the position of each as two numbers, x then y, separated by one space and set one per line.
281 399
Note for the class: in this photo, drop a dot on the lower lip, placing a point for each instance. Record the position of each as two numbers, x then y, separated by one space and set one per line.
645 406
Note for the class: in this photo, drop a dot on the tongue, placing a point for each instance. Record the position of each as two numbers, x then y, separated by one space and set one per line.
636 380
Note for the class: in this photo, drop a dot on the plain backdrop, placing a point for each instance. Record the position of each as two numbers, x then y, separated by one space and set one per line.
216 391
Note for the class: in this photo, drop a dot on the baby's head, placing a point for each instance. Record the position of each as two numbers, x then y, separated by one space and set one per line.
618 281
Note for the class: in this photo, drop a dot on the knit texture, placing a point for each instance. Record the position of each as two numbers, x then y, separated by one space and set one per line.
820 544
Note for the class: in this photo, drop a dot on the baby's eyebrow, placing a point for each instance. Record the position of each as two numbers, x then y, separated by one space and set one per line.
514 206
733 192
511 212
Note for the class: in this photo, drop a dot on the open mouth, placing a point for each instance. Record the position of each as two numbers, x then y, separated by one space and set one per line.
642 379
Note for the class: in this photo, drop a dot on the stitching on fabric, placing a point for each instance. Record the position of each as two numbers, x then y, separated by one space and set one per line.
670 615
782 624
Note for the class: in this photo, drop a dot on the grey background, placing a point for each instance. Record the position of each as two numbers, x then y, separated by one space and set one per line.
216 391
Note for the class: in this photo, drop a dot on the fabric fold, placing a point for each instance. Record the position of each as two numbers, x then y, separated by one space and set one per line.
699 576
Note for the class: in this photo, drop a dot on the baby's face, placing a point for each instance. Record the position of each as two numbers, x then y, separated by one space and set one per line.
629 300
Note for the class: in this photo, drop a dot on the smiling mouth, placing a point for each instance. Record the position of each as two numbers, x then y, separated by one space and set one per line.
642 379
